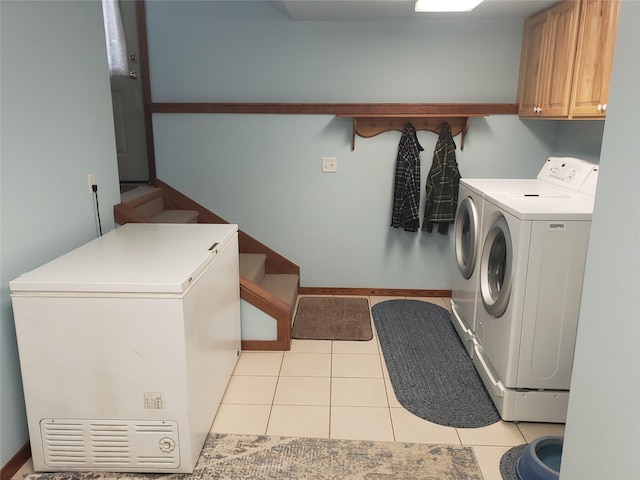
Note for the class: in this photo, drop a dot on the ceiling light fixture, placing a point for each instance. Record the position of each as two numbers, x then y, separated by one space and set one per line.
446 5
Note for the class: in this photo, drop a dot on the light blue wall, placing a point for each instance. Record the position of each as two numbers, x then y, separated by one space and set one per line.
57 126
581 139
603 422
247 51
263 171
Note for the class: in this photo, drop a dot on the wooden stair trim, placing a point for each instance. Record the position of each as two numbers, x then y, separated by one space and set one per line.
374 292
176 200
265 345
263 299
272 306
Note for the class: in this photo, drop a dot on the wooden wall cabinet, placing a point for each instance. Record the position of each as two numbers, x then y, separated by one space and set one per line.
594 59
546 65
567 56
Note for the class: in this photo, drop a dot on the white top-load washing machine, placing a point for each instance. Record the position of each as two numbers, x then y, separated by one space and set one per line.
566 174
530 271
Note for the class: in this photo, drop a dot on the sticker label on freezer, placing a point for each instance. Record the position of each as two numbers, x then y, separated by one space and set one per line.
153 401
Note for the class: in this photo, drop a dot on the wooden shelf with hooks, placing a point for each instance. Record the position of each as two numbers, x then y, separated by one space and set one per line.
371 126
373 119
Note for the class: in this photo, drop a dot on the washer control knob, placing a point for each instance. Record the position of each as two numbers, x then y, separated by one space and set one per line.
167 445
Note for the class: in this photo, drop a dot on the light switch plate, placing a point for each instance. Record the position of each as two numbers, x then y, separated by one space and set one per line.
329 164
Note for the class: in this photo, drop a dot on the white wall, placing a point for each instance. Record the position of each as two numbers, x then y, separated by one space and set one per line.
263 171
57 126
603 422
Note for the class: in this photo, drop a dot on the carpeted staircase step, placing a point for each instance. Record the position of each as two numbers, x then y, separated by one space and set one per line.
283 286
252 266
146 204
175 216
136 192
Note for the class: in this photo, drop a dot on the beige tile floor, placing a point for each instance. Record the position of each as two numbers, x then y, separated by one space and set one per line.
339 389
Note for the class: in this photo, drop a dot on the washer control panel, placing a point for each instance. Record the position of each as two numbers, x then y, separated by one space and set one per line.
568 172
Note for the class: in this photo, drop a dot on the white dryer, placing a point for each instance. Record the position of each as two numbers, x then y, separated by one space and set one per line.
468 228
530 269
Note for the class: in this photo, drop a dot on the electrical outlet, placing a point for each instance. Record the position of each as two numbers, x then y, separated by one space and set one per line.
92 181
329 164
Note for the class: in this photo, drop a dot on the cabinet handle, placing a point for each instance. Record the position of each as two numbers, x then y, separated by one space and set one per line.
604 107
599 107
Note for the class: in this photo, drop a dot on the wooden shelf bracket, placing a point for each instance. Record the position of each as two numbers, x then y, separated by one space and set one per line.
371 126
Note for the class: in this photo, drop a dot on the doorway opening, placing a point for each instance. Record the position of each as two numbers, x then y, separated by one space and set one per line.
128 84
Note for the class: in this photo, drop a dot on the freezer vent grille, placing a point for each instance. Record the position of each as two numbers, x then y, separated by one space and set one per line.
64 443
110 445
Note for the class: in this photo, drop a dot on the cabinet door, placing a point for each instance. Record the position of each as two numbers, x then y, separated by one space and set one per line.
531 65
562 36
594 60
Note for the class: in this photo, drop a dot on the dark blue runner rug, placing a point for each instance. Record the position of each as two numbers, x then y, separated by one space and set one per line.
431 373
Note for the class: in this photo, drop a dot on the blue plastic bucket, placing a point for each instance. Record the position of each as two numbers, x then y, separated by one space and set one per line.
541 460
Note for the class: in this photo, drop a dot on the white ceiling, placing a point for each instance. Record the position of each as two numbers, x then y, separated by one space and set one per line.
334 10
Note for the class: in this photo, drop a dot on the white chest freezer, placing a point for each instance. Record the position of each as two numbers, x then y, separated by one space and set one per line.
127 345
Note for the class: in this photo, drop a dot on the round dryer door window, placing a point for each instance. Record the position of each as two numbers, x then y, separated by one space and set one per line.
496 268
466 237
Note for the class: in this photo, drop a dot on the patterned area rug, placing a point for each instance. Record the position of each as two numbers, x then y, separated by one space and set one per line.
332 318
431 373
260 457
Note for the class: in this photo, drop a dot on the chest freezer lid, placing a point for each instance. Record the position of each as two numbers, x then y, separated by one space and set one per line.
135 258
